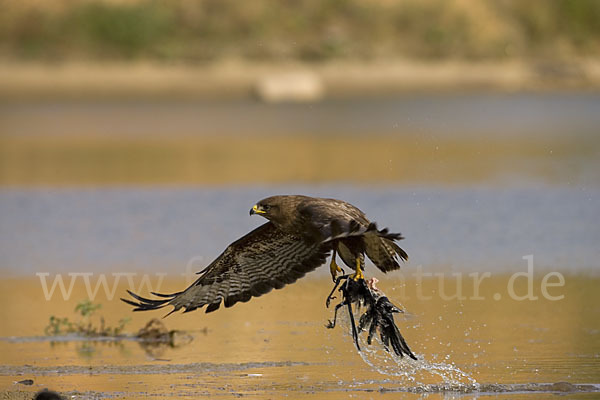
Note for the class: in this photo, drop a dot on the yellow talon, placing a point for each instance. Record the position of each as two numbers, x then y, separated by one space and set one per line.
334 268
359 274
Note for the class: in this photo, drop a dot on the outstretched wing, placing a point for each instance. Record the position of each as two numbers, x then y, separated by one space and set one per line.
260 261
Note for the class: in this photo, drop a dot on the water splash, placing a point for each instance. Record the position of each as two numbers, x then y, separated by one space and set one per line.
420 373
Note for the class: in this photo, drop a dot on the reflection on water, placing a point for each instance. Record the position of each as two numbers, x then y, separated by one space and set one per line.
90 347
278 344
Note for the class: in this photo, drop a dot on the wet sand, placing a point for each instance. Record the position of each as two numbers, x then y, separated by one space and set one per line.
277 345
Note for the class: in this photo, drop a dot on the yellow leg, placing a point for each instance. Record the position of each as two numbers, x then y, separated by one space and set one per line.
334 268
359 274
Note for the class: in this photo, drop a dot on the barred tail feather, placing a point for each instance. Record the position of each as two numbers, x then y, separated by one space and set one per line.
355 229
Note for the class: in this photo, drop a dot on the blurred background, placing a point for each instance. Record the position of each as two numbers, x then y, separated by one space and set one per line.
135 134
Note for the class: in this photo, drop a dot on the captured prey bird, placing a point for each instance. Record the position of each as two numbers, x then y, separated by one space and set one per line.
378 317
300 234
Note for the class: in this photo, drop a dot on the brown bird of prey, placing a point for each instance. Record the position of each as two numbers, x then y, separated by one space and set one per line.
301 233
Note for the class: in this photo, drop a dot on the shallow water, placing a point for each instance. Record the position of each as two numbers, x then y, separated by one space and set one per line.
448 114
166 229
277 345
473 342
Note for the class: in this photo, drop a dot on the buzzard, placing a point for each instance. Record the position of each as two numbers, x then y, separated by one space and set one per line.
300 234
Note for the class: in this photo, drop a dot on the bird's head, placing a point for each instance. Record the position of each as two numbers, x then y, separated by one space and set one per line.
266 208
272 208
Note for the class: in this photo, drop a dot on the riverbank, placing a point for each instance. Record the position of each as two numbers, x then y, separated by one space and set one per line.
242 79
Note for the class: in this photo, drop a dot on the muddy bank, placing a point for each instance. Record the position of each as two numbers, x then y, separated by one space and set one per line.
235 79
145 369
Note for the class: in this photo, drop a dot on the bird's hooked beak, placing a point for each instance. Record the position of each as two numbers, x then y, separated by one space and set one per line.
257 210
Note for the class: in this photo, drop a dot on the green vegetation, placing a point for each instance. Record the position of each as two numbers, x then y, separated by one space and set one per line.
87 325
308 30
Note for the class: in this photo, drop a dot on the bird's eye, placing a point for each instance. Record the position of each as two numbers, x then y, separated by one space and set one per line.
266 207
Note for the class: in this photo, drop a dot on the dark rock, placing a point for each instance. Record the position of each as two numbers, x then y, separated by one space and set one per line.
562 387
47 395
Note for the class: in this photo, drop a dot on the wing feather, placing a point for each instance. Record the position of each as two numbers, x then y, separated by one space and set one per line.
264 259
348 229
